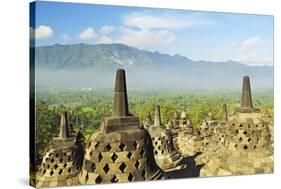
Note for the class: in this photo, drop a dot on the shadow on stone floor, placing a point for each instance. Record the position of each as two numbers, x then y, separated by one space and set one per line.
191 169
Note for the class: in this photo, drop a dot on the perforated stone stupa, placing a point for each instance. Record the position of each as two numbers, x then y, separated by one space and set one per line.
248 148
62 162
189 141
120 151
148 121
166 156
215 141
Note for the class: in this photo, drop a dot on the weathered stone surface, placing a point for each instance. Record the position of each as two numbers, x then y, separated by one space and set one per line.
120 151
166 156
243 142
62 162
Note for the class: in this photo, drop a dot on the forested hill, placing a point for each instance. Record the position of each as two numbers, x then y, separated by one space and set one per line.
154 66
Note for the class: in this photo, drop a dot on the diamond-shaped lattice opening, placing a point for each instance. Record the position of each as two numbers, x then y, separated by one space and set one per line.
56 166
245 133
108 147
91 153
155 152
106 168
69 170
240 139
78 168
87 177
64 165
143 174
60 171
69 158
137 164
48 166
44 171
241 126
52 172
52 160
98 180
61 160
130 177
57 155
159 147
142 152
114 157
122 167
156 142
93 167
245 147
162 152
237 131
114 179
235 145
129 155
122 146
135 145
249 139
100 157
97 145
253 132
254 147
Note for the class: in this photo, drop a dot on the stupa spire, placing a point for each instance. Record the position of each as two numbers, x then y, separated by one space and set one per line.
224 113
64 132
157 116
120 101
246 99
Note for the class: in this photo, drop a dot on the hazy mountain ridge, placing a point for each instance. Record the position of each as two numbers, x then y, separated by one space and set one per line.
168 69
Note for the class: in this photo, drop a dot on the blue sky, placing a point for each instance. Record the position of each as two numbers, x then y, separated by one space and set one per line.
197 35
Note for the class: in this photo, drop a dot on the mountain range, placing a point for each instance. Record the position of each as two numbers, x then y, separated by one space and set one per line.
144 68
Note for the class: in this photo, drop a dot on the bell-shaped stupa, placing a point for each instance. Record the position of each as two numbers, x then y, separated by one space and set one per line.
120 151
247 145
166 156
62 162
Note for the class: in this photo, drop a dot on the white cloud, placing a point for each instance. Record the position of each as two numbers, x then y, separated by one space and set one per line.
251 42
87 34
106 29
65 38
252 51
155 31
146 39
146 20
42 32
105 39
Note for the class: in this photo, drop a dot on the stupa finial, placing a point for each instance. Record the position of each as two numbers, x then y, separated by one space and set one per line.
157 116
224 113
120 101
246 99
64 132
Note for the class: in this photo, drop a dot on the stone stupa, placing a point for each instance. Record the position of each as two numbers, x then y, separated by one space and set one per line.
248 147
215 141
148 121
63 160
120 151
166 156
